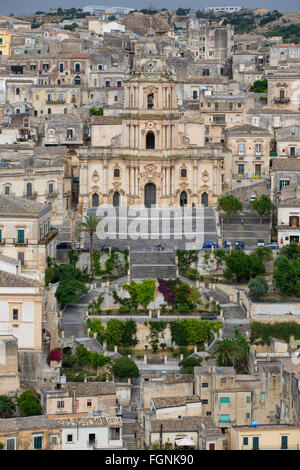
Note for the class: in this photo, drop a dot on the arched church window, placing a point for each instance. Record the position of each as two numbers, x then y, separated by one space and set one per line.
183 173
116 173
150 140
95 200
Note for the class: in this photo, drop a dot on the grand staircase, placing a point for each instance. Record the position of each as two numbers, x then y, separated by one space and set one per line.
152 264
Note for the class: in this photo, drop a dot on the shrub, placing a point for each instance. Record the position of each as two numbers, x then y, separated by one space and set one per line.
258 287
125 367
55 355
28 404
7 407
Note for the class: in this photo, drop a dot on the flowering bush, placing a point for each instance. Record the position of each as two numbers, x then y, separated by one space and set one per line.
55 355
179 293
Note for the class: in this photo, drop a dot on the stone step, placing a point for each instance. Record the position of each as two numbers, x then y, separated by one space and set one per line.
147 272
158 258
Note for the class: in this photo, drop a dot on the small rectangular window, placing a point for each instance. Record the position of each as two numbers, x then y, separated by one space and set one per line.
70 437
15 314
204 385
245 441
262 397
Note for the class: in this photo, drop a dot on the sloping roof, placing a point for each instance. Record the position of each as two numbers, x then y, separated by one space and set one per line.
170 402
12 280
294 202
8 259
40 422
184 378
285 164
83 389
16 205
187 423
248 128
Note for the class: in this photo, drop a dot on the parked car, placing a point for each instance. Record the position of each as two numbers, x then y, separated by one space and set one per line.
227 243
210 244
84 250
261 243
273 245
239 244
252 198
64 246
288 313
211 316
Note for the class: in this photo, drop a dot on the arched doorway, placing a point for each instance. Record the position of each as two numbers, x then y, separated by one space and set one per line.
183 198
204 199
150 194
95 200
150 140
116 199
77 80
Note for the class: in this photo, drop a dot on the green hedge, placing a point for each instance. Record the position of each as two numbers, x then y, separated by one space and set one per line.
262 332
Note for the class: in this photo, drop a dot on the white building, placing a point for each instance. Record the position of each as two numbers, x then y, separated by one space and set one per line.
289 216
90 433
225 9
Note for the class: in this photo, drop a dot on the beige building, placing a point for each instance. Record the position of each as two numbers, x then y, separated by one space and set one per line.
232 399
266 437
284 89
21 302
9 374
250 150
26 235
168 386
149 155
43 180
81 399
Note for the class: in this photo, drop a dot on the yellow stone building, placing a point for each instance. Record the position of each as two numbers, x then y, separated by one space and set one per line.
5 41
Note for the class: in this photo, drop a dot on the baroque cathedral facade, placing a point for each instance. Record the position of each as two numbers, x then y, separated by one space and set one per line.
151 153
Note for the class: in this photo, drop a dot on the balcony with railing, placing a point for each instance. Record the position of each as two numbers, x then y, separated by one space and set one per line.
278 100
15 241
248 175
30 195
55 102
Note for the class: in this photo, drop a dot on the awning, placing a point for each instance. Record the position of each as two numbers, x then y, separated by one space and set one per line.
184 442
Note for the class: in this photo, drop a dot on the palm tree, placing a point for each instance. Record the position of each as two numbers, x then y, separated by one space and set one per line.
224 351
232 351
90 226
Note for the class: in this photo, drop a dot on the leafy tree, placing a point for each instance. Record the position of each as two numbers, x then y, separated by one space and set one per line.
128 333
112 18
264 252
291 251
114 332
243 266
73 257
263 206
258 287
141 293
187 365
230 205
71 27
125 367
69 291
182 11
260 86
96 112
7 407
28 404
286 275
90 226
